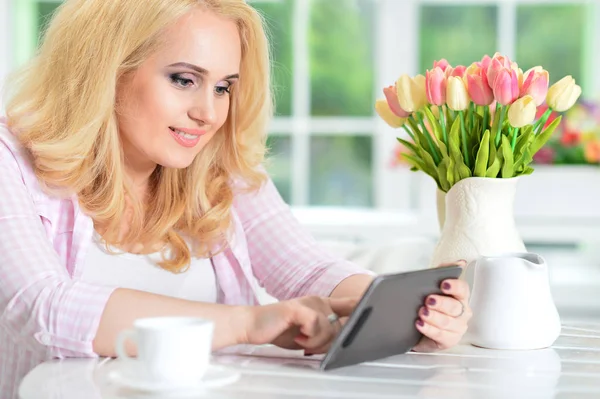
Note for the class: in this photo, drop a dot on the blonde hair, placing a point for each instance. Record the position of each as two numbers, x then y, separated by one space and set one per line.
63 110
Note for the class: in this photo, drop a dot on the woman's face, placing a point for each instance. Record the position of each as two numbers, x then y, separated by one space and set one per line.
178 99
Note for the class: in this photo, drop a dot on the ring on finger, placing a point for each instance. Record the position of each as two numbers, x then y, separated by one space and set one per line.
332 318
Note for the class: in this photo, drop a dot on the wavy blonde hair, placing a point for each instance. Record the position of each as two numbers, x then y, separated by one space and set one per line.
63 110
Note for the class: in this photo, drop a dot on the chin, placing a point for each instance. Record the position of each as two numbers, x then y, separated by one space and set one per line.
176 163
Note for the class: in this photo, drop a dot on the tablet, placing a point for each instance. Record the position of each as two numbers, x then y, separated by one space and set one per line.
383 322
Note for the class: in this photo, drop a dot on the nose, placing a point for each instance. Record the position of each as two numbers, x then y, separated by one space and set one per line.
204 109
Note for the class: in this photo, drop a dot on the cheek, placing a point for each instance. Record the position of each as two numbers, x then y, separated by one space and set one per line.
223 111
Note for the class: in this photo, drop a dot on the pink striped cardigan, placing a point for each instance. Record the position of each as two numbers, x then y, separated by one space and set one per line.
47 312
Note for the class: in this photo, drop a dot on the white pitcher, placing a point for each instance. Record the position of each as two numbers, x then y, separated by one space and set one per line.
512 304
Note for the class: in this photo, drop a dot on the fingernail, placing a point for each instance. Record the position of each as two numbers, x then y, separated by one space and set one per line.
431 301
420 322
425 312
446 286
462 262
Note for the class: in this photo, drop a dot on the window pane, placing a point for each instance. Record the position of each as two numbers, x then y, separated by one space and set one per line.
539 42
460 34
341 57
44 13
278 17
279 164
340 171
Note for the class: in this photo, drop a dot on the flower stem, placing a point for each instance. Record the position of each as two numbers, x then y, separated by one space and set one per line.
443 123
472 115
542 120
514 138
486 115
500 120
461 115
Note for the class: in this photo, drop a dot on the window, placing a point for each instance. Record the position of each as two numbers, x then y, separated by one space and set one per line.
332 57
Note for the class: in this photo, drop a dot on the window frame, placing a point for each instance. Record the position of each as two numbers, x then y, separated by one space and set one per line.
394 189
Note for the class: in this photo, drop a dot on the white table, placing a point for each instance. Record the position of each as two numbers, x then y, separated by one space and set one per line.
570 369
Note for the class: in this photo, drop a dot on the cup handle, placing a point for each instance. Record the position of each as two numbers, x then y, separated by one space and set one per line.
122 338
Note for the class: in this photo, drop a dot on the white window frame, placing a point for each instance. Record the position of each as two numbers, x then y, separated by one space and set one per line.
397 27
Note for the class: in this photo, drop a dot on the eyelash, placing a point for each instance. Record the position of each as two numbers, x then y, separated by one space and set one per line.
184 83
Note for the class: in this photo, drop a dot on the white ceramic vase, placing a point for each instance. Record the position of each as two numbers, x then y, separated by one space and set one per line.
512 303
477 219
510 290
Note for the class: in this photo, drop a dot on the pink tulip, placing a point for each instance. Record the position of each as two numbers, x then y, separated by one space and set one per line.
392 99
485 62
435 86
506 86
478 88
536 84
442 64
496 64
458 71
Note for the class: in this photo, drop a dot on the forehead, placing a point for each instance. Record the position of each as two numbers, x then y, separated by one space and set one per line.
205 39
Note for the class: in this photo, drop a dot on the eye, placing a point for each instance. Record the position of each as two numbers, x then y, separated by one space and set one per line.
179 81
222 90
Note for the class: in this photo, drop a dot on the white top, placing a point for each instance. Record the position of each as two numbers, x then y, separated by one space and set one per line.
140 272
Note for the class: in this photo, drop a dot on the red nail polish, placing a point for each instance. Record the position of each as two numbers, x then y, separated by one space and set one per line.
431 301
446 286
425 312
420 322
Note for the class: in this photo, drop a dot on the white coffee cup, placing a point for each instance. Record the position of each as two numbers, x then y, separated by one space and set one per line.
170 350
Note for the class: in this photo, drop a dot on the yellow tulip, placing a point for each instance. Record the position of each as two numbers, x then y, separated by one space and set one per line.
522 111
411 92
385 113
457 97
563 94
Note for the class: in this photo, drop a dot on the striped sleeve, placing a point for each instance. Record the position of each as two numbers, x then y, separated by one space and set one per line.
41 307
286 260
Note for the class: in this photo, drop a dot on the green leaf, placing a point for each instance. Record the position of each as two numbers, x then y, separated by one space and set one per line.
414 161
429 163
524 160
420 138
544 136
408 145
528 170
450 172
523 140
443 174
437 128
508 167
481 161
492 153
494 170
462 170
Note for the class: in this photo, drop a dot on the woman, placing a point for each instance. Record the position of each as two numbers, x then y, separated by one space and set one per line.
131 186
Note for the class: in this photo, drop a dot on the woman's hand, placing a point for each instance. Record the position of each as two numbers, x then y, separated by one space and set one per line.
300 323
443 319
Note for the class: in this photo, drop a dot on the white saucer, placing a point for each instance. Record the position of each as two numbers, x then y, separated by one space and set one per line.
215 376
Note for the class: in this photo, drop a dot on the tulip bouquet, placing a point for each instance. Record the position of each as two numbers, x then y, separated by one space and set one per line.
476 121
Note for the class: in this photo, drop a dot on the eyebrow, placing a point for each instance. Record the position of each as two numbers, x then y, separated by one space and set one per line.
200 70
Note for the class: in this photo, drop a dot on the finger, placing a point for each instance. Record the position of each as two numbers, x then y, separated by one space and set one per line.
443 339
442 321
459 289
426 344
324 337
307 321
447 305
343 306
323 349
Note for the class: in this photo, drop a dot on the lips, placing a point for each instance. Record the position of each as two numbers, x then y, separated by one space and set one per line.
186 137
190 132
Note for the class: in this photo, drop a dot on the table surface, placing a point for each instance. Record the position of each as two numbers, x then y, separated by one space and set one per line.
569 369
